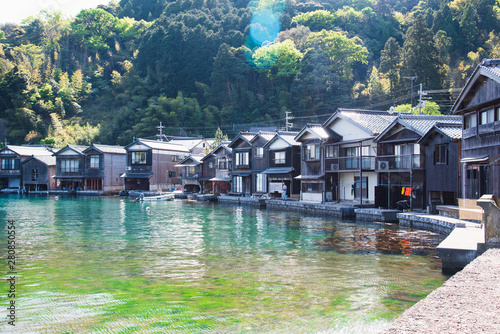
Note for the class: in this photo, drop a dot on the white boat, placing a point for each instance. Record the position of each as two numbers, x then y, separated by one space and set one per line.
163 197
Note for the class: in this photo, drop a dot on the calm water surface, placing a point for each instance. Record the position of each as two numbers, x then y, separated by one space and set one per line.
99 265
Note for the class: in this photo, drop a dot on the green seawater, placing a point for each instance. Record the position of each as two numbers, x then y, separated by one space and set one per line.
105 265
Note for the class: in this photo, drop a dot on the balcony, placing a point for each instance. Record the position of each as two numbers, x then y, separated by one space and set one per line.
349 163
405 162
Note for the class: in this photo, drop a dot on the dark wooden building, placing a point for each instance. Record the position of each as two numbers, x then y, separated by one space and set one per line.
151 165
104 164
70 168
245 155
38 173
479 105
11 157
312 138
441 146
402 160
191 174
282 154
217 166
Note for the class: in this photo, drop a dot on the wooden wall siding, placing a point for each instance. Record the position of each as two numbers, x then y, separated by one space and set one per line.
95 172
481 145
442 177
81 165
114 165
206 171
259 163
43 172
161 164
484 91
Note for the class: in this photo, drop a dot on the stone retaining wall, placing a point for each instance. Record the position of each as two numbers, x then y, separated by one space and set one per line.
377 215
429 223
312 208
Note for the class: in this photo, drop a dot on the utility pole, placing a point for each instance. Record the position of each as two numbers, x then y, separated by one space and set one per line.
288 125
160 128
421 100
413 78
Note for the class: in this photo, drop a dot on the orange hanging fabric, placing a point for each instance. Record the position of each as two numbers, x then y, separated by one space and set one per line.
408 191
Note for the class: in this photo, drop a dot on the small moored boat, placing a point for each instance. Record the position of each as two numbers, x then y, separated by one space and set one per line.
163 197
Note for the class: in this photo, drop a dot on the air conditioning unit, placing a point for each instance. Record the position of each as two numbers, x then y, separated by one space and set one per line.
334 167
383 165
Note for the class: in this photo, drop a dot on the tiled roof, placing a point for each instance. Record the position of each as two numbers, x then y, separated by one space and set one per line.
454 132
29 150
248 136
109 149
188 143
161 145
290 138
49 160
491 65
423 123
489 68
319 130
77 148
372 120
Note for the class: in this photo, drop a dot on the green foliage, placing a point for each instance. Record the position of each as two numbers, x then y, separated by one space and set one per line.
192 64
430 108
344 52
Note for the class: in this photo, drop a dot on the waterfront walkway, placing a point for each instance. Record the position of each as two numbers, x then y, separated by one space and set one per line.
469 302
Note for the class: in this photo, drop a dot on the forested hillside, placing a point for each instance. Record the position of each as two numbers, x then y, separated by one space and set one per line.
115 72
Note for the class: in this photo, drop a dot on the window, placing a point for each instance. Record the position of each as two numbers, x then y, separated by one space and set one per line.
470 121
171 173
242 159
311 152
9 164
332 151
311 187
441 154
138 158
211 164
238 184
259 152
175 158
353 163
34 175
69 166
487 116
279 157
261 183
94 161
222 163
404 153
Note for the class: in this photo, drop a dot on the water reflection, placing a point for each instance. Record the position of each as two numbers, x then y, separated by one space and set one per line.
209 268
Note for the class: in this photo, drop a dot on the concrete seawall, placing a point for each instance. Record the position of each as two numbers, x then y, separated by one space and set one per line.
469 302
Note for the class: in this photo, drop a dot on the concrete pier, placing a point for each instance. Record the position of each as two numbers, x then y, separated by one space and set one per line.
469 302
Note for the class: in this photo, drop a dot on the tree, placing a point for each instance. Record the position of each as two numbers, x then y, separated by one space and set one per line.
390 61
421 56
344 52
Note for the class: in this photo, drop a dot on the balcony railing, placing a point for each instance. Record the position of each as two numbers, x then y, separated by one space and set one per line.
398 162
350 163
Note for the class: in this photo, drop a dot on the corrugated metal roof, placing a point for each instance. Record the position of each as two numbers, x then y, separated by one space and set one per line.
29 150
